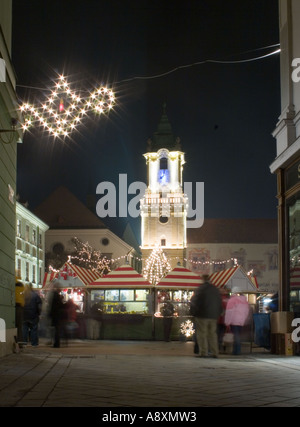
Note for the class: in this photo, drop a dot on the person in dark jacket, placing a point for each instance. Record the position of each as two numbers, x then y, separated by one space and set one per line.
95 321
167 311
31 315
206 307
56 313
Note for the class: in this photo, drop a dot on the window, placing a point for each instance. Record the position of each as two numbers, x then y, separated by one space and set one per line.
131 301
27 271
163 163
163 242
163 219
33 274
112 295
127 295
19 268
27 233
19 228
34 236
141 294
58 249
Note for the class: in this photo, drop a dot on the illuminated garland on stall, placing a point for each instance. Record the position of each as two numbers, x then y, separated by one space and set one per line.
64 109
157 266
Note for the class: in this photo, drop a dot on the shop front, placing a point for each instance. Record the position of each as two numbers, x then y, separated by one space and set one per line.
288 184
72 281
177 287
127 300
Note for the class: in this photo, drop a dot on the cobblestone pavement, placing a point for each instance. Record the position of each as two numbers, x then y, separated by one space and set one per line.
128 374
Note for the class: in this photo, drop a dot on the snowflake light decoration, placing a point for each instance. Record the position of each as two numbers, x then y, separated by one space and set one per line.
64 109
187 328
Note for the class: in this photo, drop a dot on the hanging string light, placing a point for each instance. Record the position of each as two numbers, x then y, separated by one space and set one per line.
87 257
64 109
157 266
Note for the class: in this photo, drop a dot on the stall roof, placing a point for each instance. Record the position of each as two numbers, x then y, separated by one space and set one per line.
48 278
123 277
180 278
295 278
235 279
70 275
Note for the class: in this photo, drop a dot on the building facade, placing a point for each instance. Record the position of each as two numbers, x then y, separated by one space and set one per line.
9 137
287 163
30 246
251 243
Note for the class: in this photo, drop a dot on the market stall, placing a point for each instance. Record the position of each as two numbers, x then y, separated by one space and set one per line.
177 287
72 281
236 280
127 300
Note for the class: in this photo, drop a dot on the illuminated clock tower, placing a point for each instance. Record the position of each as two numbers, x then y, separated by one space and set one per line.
164 205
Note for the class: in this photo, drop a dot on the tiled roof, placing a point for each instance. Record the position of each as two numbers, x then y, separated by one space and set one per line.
62 210
242 230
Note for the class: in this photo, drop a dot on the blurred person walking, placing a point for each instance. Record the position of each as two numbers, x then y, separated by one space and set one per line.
95 321
56 311
206 307
236 315
31 315
70 319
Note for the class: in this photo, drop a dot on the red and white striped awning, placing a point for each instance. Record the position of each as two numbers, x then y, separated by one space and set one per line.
295 278
235 279
68 273
48 277
180 278
220 278
84 274
123 277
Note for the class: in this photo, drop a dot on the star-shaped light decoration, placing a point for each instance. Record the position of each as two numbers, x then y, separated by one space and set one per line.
64 109
187 328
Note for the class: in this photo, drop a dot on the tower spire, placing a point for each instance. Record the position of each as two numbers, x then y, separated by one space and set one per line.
163 137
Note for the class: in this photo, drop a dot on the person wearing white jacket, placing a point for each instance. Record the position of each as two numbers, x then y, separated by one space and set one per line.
236 315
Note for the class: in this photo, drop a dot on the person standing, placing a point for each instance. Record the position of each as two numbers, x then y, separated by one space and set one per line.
31 315
236 315
206 307
167 311
95 321
56 311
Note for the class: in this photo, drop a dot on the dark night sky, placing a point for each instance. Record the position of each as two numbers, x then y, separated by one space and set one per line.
224 114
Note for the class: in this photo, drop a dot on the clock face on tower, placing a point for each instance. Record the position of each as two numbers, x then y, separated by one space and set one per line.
164 177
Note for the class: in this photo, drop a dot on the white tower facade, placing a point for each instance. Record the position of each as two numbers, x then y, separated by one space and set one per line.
164 205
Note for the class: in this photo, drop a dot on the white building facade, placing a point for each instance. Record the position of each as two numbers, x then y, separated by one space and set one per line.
30 246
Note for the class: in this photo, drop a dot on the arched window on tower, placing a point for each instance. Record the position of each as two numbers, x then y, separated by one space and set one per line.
163 170
163 163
